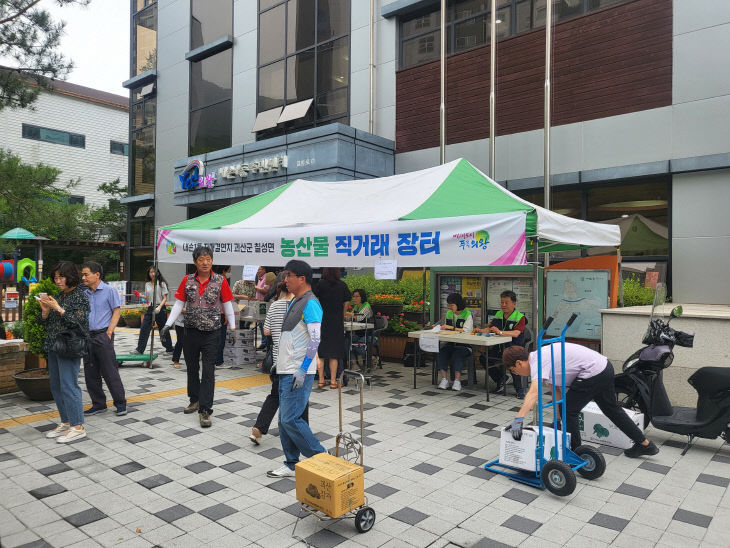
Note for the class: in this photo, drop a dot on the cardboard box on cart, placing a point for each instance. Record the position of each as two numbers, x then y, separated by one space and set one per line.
330 484
522 454
596 427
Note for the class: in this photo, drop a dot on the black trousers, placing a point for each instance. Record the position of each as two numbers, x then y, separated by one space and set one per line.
599 388
101 363
177 350
201 344
271 405
146 328
520 383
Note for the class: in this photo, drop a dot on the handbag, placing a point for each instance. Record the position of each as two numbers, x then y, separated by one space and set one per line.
268 363
70 343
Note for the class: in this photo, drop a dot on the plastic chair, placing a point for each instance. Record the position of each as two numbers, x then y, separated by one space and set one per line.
380 325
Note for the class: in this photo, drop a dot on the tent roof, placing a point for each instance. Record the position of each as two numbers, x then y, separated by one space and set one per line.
21 234
455 189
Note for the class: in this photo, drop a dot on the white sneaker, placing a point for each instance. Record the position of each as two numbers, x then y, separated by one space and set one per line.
282 472
444 385
60 430
457 385
72 435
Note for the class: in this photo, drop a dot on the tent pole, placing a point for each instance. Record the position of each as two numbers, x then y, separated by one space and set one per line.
442 109
492 89
620 279
423 298
547 98
536 298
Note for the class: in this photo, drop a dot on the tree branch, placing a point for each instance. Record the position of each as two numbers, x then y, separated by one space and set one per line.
20 13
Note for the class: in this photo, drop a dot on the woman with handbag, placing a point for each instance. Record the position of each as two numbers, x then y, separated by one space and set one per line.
155 287
67 328
272 328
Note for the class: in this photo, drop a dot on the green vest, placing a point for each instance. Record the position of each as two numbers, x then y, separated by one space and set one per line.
509 325
460 319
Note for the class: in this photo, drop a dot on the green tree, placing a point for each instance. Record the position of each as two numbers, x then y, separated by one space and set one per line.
30 41
110 222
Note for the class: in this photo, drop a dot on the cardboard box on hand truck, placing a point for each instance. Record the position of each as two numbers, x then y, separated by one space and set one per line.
596 427
522 454
330 484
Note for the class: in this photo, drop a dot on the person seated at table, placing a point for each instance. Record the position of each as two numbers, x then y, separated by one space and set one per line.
360 311
458 318
507 322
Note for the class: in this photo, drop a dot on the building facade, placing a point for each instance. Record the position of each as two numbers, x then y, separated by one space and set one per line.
234 97
78 130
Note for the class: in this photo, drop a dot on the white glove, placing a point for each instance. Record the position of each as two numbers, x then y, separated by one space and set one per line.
298 378
157 310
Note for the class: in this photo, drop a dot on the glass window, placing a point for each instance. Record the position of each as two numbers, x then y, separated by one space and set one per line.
333 103
300 77
300 25
471 33
272 35
141 4
333 19
422 49
211 19
210 128
143 161
266 4
211 79
75 199
143 113
467 8
140 259
333 65
271 86
55 136
144 51
115 147
523 16
421 24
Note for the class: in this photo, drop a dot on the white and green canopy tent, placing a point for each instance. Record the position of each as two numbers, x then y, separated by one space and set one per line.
449 215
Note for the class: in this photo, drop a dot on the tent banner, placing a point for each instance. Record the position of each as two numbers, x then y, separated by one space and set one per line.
474 240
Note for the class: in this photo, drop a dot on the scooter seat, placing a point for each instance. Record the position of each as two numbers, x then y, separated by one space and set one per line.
683 420
710 380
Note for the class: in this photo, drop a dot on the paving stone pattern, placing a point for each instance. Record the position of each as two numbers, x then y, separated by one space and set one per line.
155 478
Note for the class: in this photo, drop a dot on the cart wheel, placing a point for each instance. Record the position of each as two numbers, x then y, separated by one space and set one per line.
558 477
364 519
595 463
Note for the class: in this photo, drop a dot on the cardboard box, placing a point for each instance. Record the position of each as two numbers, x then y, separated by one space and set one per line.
330 484
523 454
595 426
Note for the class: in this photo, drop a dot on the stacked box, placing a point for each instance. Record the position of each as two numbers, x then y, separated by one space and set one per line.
596 427
331 485
239 348
523 453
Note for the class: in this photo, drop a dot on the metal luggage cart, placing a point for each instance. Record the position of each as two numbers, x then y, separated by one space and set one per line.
350 449
557 474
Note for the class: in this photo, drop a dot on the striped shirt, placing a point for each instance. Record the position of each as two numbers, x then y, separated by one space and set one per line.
273 322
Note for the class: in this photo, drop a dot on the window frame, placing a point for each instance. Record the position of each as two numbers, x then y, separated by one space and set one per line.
297 125
133 39
70 134
125 148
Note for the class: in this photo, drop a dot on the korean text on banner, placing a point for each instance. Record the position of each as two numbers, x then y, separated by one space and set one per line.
474 240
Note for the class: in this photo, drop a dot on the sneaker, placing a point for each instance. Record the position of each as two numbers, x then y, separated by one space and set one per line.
520 394
444 384
121 410
499 388
192 408
94 411
60 430
282 472
638 450
255 436
457 385
222 366
205 421
72 434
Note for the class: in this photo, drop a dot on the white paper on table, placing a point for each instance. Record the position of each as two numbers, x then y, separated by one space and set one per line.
429 343
249 272
386 269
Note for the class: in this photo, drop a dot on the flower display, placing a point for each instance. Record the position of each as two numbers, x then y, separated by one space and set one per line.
386 298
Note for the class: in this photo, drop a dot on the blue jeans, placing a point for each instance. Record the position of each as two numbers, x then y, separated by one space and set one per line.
295 434
456 354
64 378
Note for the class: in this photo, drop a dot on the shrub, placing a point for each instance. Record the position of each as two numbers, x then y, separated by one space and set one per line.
398 325
131 313
417 306
34 331
17 329
635 293
411 289
112 277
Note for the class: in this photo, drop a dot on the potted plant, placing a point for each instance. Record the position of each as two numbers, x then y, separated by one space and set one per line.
388 304
132 317
414 311
392 341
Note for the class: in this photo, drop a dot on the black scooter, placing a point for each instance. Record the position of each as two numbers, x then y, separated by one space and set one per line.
640 387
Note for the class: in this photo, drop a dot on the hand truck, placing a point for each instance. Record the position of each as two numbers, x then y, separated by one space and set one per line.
558 473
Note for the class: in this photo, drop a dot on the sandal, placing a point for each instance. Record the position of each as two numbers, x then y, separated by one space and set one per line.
334 385
176 365
321 384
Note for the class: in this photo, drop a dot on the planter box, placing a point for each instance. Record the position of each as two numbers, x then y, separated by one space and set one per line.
392 346
12 360
417 317
35 383
35 361
389 310
133 321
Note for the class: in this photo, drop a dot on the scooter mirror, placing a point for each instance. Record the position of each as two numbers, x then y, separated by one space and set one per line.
676 311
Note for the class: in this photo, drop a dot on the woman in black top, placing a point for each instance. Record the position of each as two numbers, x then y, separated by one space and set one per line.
68 310
334 296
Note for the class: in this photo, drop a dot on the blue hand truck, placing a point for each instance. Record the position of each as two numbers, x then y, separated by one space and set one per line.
557 474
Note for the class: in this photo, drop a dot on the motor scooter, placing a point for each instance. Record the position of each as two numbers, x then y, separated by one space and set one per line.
641 387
